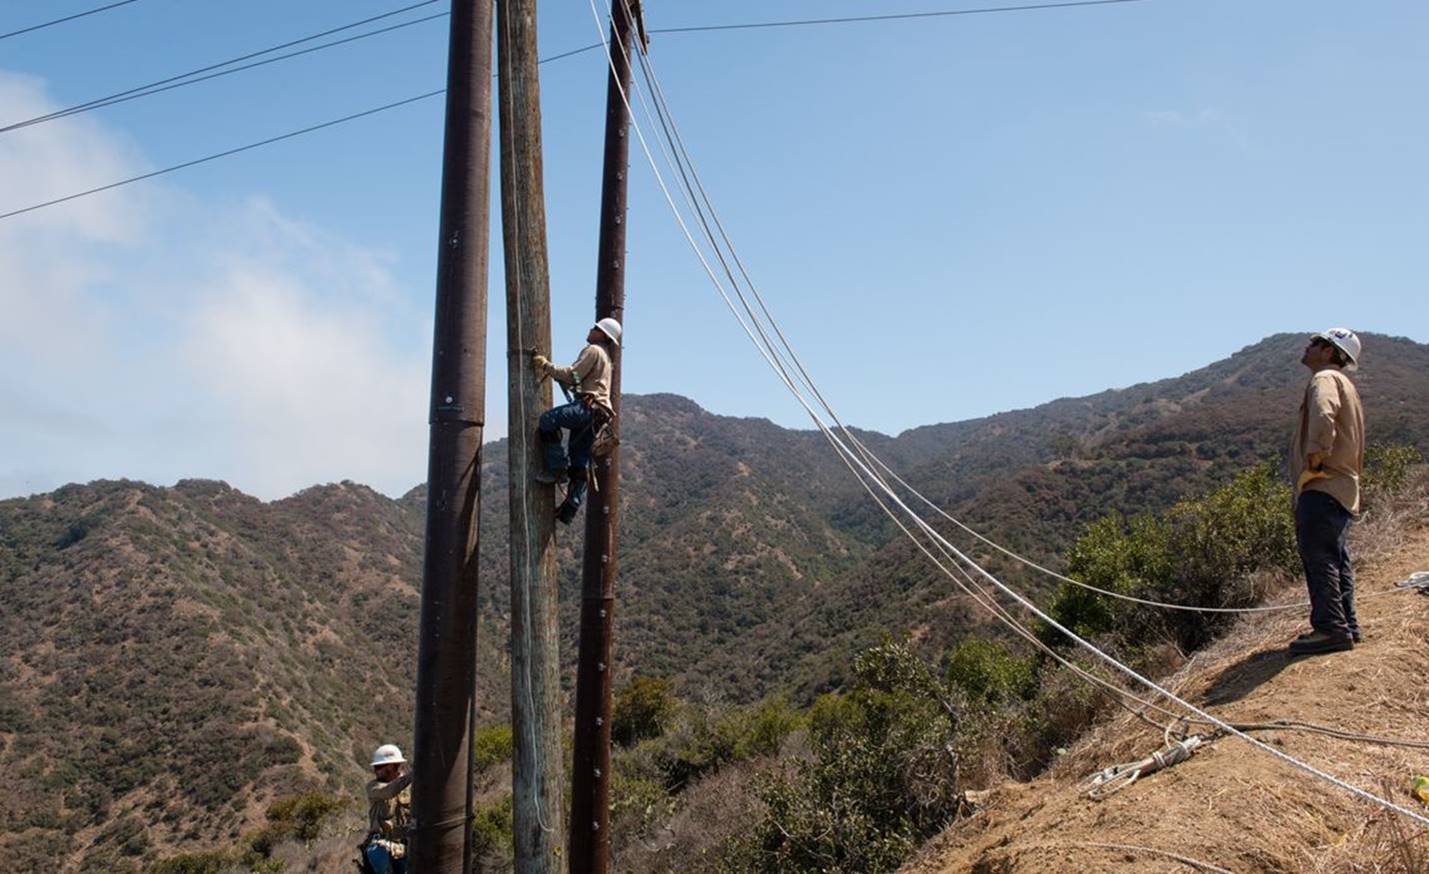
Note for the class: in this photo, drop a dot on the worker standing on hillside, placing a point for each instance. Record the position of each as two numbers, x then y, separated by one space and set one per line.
1326 458
389 812
589 381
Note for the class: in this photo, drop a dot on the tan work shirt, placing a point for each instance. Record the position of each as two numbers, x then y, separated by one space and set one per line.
589 375
1331 424
389 808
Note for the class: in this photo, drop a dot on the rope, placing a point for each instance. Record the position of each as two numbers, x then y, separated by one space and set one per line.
773 357
1109 781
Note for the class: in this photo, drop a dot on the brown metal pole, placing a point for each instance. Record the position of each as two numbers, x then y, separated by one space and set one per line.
446 653
538 774
590 779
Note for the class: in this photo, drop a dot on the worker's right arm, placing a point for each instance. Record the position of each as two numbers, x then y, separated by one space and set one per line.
571 376
378 791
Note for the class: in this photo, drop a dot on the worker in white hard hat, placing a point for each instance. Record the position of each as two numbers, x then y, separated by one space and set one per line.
589 382
389 812
1326 458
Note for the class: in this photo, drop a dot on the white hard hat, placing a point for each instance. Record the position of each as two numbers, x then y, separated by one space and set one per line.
387 754
1345 340
610 328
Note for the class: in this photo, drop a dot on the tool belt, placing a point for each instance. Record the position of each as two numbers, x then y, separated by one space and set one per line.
602 425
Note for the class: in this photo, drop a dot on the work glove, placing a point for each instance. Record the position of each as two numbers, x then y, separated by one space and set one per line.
1308 477
540 362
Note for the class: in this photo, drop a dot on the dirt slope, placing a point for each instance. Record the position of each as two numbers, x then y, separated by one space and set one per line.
1233 806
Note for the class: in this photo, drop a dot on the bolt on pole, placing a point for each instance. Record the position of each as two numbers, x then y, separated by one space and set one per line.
537 762
590 779
445 706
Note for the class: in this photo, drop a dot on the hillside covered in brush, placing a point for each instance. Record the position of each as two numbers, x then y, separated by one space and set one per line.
172 659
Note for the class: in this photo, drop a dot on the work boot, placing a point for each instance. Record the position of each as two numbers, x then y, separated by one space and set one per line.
566 512
551 477
1355 635
1321 641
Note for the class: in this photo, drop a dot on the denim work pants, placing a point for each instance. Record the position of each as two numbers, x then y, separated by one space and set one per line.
1321 526
382 862
576 418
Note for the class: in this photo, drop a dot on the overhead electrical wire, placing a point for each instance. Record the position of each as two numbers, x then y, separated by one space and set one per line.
869 477
34 27
224 154
157 88
896 16
192 76
113 98
160 85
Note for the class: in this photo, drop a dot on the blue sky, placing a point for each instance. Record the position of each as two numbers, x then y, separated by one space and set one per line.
951 217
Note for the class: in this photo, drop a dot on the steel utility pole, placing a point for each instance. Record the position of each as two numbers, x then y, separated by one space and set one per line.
446 655
538 774
590 781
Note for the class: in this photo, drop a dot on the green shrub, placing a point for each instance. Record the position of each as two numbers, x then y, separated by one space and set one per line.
491 830
883 776
987 673
493 745
302 816
644 708
1200 553
1387 469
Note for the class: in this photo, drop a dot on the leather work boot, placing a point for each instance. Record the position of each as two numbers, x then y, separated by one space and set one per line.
1355 635
1321 641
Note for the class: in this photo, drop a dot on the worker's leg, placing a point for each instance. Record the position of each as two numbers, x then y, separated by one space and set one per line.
568 416
1320 524
1347 582
379 858
580 444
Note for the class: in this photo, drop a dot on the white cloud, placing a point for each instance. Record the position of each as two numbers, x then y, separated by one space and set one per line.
147 336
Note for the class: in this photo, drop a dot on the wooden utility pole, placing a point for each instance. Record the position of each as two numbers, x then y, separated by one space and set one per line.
446 654
590 781
538 772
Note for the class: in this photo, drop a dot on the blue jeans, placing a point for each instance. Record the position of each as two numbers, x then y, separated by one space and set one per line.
576 418
1321 527
382 861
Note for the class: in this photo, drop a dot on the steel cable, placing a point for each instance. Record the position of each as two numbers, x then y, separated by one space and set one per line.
772 356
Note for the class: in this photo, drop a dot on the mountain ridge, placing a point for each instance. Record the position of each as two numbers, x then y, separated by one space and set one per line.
266 646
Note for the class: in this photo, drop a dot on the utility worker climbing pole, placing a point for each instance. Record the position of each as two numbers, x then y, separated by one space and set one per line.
389 812
585 417
1326 458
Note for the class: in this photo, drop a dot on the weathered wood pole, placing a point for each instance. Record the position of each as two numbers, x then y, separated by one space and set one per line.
535 683
446 653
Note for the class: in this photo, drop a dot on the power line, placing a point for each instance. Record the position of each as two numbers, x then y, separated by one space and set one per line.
224 154
155 87
135 94
113 98
52 23
900 16
181 79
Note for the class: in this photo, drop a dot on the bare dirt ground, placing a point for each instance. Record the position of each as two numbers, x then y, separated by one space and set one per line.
1233 807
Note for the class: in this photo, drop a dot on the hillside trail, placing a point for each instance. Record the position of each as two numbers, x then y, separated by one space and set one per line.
1231 805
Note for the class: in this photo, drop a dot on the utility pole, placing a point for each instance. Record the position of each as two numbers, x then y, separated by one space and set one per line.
537 761
590 781
445 708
